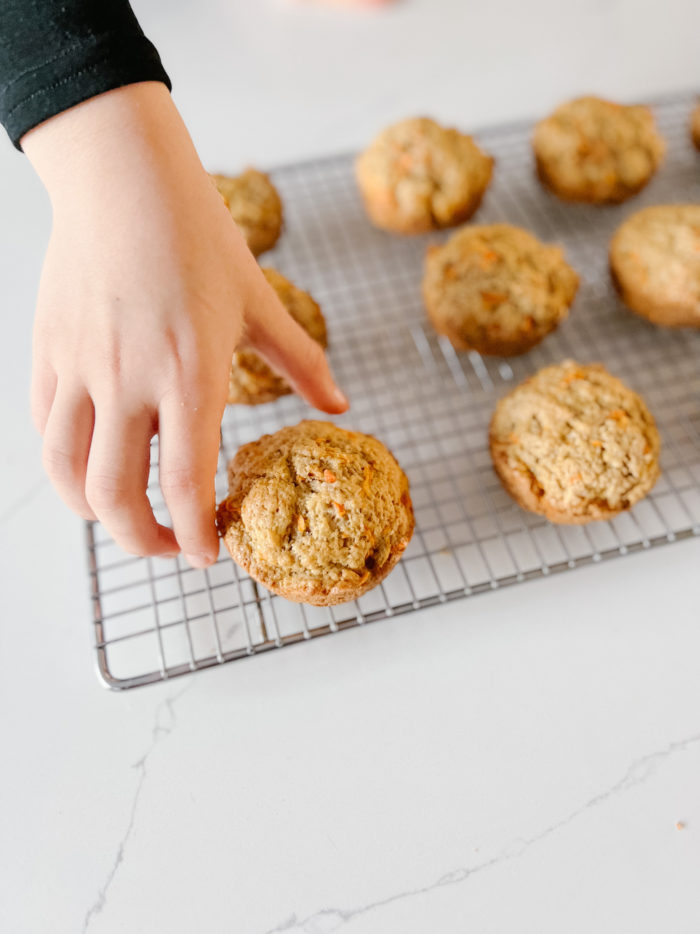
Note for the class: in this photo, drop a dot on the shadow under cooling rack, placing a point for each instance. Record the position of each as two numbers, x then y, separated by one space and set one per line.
158 618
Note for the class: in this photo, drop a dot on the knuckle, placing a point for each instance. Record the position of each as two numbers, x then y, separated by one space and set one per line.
106 493
194 393
62 466
179 483
191 543
185 361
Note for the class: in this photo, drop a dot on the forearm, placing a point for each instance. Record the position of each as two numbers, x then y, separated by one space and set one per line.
54 55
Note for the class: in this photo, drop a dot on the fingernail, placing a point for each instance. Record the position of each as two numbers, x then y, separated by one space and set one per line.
170 554
200 560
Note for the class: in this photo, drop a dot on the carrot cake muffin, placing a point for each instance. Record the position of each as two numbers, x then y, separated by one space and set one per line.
574 444
655 263
497 289
255 206
418 176
316 513
597 151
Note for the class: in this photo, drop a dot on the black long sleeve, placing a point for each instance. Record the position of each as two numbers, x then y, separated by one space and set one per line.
56 53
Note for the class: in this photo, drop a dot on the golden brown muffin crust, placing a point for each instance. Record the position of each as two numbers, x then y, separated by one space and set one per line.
655 264
316 513
497 289
574 444
251 381
255 206
597 151
418 176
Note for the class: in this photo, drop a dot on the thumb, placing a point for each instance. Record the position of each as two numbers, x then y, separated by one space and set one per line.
289 350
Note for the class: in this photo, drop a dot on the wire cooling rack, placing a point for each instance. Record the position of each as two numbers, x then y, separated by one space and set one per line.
157 618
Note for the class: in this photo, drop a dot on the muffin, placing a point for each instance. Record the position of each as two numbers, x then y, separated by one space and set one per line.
655 264
255 206
315 513
497 289
574 444
251 381
695 126
596 151
418 176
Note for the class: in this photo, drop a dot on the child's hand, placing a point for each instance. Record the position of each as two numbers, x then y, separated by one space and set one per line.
146 290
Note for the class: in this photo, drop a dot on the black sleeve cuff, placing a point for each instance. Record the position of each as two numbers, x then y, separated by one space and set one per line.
76 73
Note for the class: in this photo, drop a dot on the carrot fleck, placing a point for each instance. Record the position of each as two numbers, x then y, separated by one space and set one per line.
491 299
487 258
329 476
577 374
618 415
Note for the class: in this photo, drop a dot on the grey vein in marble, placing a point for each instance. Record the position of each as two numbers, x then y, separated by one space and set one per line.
331 919
159 731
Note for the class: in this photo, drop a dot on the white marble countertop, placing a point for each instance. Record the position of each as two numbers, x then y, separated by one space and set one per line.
527 760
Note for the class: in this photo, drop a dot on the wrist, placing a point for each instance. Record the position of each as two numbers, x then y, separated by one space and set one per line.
107 138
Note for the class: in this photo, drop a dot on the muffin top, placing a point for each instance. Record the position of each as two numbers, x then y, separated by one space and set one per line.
573 442
315 512
497 288
655 256
251 380
594 150
255 206
424 176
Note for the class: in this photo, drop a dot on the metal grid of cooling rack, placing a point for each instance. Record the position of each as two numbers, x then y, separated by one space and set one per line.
157 618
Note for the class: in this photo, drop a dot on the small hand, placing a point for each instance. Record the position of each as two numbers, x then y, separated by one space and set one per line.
147 288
